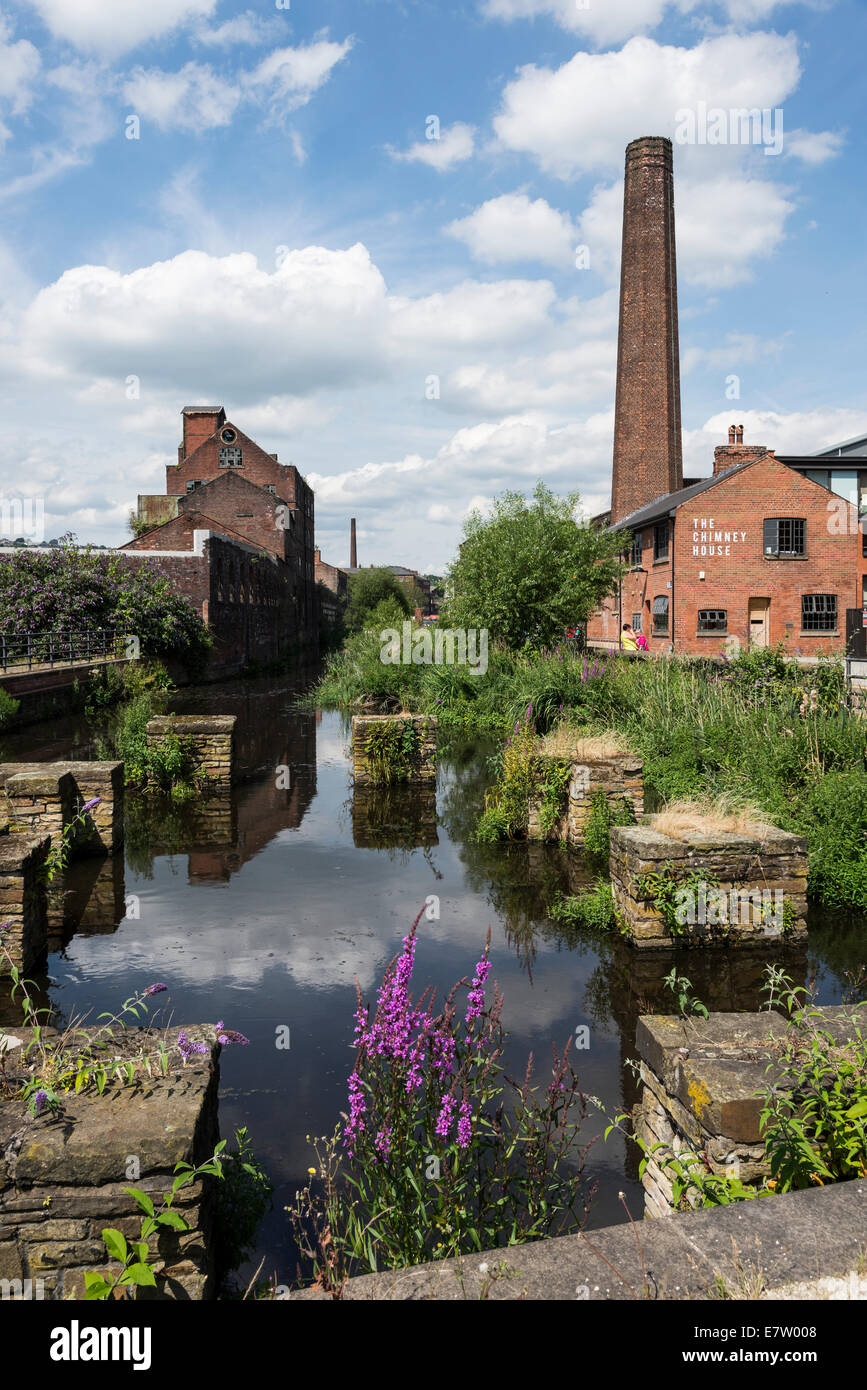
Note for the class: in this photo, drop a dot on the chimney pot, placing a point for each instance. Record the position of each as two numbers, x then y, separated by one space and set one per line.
733 429
740 435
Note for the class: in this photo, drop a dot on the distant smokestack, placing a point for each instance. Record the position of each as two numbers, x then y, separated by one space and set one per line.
353 552
648 460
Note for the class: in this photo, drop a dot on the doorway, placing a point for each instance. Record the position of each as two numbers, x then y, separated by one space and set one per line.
759 615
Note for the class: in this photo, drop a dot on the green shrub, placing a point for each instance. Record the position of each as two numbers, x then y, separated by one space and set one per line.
8 707
593 908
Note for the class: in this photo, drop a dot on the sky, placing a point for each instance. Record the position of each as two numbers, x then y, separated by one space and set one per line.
385 236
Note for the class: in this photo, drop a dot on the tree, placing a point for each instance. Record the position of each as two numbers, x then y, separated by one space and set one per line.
367 589
529 571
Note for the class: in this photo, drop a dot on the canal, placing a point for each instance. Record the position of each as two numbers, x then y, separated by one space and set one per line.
261 908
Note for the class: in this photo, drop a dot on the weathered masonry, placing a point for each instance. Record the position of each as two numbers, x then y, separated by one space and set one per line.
62 1179
388 748
620 777
23 910
47 798
708 889
211 738
703 1084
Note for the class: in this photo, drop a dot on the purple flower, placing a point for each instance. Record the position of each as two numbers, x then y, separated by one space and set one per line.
39 1101
155 989
5 926
357 1108
444 1123
382 1142
476 996
465 1128
187 1049
228 1035
89 805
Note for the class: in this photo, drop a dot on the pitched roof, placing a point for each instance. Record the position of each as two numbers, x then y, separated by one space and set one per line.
663 506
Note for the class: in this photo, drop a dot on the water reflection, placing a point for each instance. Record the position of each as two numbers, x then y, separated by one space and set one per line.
261 907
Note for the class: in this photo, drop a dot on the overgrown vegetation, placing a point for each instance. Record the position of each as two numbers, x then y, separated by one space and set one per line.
813 1118
79 588
440 1153
758 729
522 773
391 751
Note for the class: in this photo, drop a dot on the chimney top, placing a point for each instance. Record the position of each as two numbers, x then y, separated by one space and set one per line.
733 429
740 435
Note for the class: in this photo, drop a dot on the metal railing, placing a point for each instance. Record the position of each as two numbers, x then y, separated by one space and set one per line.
28 649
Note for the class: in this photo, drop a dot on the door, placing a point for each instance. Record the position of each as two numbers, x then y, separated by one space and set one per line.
759 614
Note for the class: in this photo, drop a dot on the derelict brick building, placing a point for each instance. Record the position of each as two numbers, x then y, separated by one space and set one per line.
234 533
767 548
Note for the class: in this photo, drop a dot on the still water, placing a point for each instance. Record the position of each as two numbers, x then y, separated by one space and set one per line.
261 908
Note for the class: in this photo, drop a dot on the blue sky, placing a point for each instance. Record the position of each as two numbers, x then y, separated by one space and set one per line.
403 317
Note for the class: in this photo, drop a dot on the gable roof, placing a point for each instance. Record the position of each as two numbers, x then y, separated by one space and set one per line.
665 505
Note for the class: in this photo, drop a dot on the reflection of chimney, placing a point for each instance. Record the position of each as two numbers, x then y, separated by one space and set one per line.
353 552
648 459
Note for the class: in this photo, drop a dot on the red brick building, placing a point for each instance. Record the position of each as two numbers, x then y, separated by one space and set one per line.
768 549
234 533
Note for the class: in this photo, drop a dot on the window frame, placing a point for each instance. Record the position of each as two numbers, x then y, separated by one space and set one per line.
225 450
658 552
709 628
658 630
777 553
831 611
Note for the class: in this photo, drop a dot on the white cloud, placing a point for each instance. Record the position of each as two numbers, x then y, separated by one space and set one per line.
503 311
226 326
737 350
561 381
112 27
194 98
603 22
248 28
579 118
19 65
289 77
724 225
608 22
814 147
454 145
511 228
797 432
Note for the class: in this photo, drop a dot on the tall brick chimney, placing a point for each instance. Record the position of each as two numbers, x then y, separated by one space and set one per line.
648 461
353 552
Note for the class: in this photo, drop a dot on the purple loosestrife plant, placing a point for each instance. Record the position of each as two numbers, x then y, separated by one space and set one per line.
440 1153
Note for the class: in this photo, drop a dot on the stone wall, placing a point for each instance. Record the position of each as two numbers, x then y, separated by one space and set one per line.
754 889
62 1179
703 1082
620 777
22 898
212 738
423 764
45 798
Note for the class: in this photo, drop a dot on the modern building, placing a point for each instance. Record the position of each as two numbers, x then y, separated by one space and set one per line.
768 548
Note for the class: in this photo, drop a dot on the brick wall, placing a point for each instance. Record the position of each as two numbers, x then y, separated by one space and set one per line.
647 435
726 522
